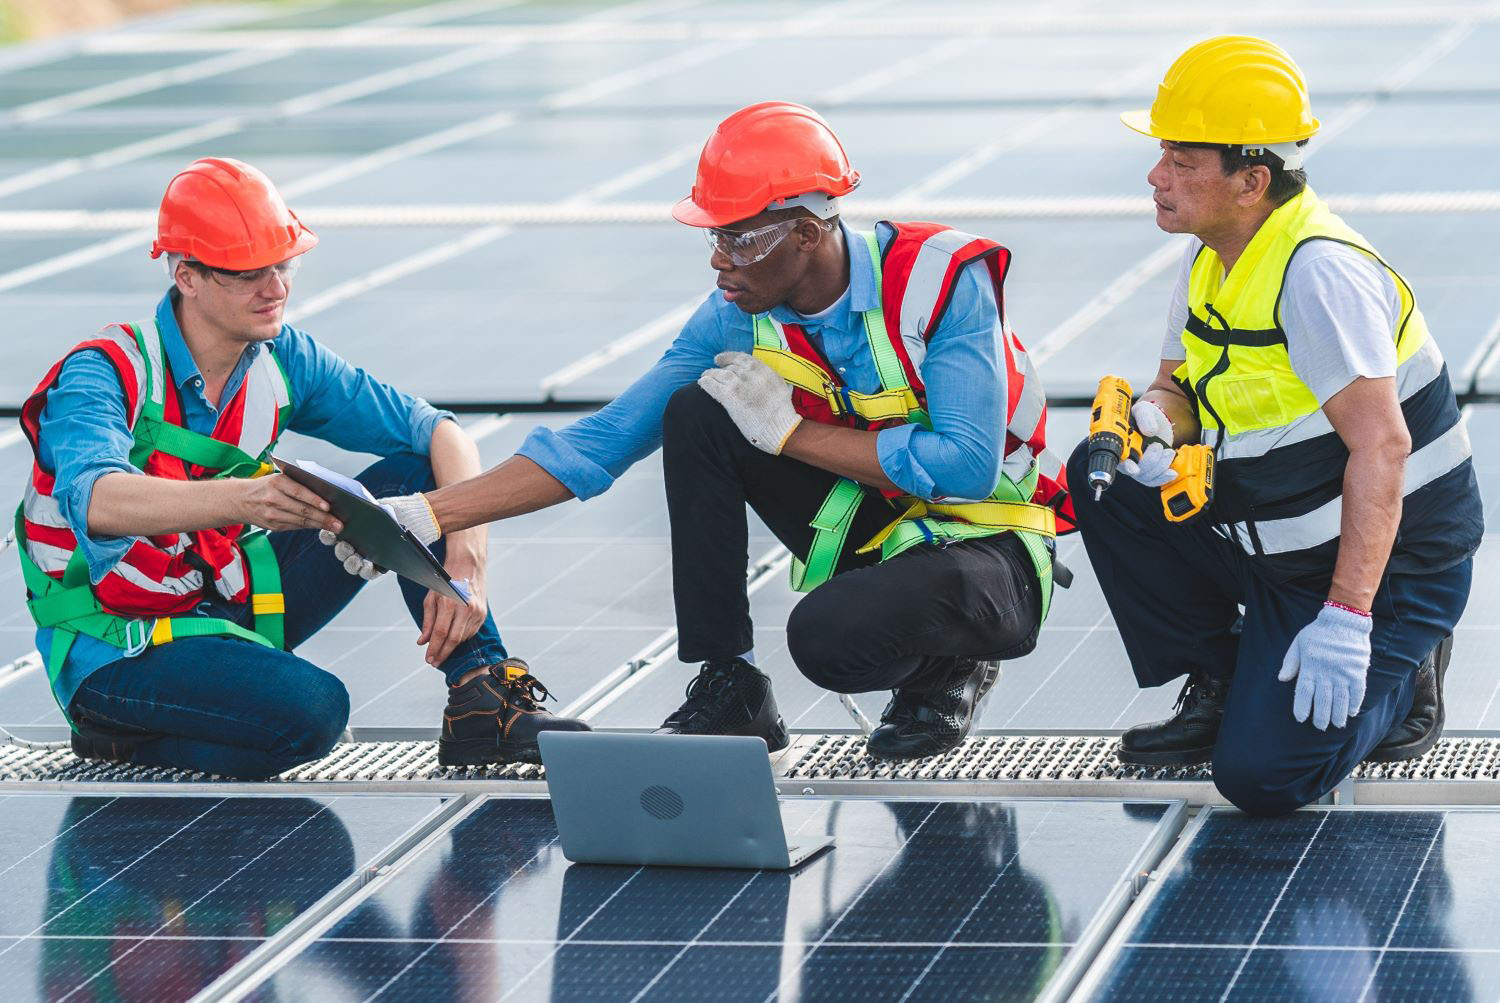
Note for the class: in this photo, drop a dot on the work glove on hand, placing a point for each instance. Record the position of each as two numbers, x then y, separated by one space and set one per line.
1154 468
411 511
758 401
1329 659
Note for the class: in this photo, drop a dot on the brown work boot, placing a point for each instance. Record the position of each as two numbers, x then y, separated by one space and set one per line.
496 716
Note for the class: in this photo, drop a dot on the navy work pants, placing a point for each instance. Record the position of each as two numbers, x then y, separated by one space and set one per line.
242 710
1175 591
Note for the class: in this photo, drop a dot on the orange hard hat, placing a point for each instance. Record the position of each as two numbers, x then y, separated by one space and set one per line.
761 155
227 214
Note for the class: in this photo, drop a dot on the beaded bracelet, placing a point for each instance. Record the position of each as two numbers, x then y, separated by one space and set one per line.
1346 607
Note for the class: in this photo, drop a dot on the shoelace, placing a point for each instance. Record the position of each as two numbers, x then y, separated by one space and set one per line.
527 691
1196 686
702 691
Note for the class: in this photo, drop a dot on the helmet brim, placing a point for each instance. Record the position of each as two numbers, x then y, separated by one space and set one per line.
1140 121
689 212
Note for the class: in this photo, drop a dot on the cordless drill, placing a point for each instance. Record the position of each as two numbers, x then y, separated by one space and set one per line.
1113 438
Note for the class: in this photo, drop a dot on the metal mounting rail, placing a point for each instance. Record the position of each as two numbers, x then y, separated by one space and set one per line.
1464 770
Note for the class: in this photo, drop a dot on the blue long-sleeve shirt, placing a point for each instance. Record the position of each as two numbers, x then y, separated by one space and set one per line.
85 434
964 372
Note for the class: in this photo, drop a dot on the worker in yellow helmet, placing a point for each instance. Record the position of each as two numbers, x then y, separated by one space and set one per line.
1346 512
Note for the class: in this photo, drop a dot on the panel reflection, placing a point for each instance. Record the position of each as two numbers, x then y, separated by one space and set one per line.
948 895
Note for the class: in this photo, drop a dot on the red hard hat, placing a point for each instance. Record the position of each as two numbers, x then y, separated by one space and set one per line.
761 154
227 214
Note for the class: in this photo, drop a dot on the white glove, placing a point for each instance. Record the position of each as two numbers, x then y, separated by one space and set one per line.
1329 659
758 401
1154 468
411 511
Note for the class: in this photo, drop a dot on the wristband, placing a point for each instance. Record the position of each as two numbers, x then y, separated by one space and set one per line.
1347 608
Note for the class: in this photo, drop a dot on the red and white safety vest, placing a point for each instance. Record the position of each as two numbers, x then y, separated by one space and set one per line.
918 268
159 575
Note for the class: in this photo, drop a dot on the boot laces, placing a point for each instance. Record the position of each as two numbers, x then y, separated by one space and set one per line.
710 688
1194 690
526 691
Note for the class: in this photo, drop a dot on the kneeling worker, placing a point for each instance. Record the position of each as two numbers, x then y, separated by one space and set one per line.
860 392
1346 510
166 619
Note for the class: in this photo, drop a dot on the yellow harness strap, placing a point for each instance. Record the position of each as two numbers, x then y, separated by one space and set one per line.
804 375
987 514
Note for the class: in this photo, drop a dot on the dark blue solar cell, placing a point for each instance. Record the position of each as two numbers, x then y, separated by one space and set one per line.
155 897
739 972
1162 974
1228 881
1437 976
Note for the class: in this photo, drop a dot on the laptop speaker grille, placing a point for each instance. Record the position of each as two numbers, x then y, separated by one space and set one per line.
661 802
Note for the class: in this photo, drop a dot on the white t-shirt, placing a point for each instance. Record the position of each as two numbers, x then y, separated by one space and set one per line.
1338 308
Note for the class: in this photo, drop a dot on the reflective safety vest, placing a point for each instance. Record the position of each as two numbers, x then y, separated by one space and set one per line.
1280 463
139 600
916 274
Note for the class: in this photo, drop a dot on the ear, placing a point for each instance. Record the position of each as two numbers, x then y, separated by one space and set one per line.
1254 184
810 234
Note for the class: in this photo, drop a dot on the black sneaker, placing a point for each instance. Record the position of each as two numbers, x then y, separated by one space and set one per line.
1188 736
1419 731
730 697
496 716
927 722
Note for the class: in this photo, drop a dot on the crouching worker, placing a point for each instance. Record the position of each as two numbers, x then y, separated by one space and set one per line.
1346 510
859 391
165 616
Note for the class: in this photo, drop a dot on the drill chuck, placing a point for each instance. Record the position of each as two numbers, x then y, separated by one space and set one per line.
1105 451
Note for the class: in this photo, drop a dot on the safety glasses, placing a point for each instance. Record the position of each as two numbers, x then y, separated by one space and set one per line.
255 278
748 247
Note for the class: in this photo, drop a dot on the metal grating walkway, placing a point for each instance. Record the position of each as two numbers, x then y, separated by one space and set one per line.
1459 770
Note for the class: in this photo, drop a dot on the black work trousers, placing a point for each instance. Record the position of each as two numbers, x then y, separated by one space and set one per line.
876 625
1175 591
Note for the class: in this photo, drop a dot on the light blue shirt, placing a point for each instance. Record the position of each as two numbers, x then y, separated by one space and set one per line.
85 434
964 372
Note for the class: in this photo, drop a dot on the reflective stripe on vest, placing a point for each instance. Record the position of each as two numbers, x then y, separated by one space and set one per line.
162 575
1281 465
931 254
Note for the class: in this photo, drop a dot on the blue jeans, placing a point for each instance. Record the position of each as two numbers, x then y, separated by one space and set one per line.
1175 591
242 710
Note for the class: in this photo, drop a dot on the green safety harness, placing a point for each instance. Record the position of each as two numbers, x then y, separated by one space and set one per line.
70 608
1008 509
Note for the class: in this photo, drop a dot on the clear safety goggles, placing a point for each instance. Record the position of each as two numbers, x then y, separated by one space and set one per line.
255 278
748 247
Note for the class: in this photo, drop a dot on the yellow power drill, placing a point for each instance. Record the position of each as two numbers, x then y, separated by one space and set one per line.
1113 438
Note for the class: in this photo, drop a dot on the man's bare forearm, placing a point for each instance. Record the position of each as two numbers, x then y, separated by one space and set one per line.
134 505
1167 395
455 459
848 452
515 487
1372 512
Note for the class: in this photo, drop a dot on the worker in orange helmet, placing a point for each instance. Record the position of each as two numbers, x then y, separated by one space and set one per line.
862 393
167 615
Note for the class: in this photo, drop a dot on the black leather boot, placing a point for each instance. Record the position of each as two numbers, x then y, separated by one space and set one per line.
496 716
1187 736
927 722
1423 725
729 697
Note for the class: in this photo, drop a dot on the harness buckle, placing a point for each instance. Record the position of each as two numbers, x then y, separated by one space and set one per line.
135 646
838 403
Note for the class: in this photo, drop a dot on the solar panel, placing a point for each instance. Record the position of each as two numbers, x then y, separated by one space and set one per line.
108 896
1325 903
918 896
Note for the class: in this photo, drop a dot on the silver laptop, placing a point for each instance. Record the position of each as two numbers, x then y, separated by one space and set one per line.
680 800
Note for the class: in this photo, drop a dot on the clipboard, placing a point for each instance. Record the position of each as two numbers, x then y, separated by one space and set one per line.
371 530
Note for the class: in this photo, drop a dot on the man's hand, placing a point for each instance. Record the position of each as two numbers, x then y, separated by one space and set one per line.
1329 659
275 501
445 623
1154 468
758 401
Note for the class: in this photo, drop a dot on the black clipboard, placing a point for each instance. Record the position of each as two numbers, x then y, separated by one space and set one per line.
378 537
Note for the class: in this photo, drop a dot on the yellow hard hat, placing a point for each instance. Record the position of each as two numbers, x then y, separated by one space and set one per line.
1232 89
